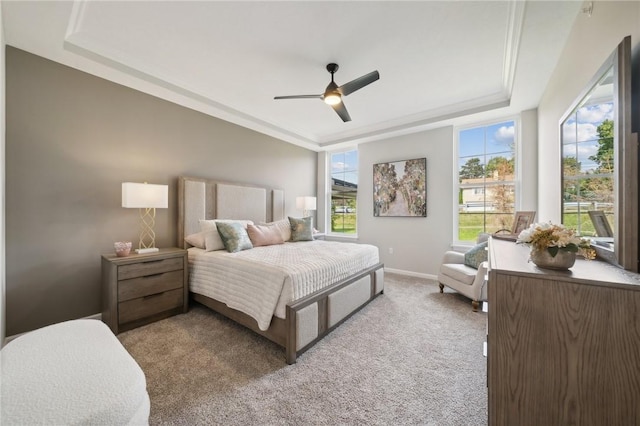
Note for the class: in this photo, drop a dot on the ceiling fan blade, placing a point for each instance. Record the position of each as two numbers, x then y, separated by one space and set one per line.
342 111
299 97
358 83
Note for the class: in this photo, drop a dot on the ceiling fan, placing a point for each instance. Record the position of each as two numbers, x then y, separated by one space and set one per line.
333 94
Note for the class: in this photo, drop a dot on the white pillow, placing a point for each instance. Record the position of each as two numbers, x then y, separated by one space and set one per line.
212 240
284 226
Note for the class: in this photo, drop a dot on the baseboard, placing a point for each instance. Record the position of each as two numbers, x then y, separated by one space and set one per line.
7 339
411 273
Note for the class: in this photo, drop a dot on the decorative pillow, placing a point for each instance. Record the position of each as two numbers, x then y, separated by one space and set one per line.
234 236
196 240
244 223
284 226
301 228
212 239
264 235
476 255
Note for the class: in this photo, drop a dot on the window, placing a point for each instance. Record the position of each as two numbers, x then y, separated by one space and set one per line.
486 179
588 160
344 189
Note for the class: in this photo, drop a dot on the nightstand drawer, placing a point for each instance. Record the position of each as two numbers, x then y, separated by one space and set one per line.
134 309
149 284
149 267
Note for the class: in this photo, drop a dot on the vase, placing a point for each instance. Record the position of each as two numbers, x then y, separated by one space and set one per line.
562 260
122 248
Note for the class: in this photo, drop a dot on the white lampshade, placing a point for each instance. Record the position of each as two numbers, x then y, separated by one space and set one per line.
144 195
306 203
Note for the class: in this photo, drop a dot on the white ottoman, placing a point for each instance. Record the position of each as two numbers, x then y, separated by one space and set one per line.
75 372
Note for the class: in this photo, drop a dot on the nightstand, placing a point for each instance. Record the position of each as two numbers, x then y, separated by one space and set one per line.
143 288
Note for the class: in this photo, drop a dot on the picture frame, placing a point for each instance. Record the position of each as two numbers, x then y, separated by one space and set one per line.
400 188
600 223
522 221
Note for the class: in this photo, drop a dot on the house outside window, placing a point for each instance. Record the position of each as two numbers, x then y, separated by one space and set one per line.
344 191
486 171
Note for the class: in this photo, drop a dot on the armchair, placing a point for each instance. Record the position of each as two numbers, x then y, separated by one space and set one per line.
464 279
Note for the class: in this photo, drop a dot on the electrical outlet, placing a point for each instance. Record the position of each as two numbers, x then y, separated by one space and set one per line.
390 250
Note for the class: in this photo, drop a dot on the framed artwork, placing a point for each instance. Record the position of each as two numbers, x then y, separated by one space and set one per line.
400 188
522 222
600 223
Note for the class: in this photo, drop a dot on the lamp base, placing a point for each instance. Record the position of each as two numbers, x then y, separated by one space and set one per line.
147 250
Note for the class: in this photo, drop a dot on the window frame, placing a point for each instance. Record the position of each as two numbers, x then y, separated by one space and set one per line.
517 177
329 183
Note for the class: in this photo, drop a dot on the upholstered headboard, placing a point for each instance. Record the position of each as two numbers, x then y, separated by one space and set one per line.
210 199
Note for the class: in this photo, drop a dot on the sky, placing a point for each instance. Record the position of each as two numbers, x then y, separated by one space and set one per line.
499 139
344 166
580 133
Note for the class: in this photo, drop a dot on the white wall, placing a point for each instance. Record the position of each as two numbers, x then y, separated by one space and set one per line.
418 243
2 168
528 161
591 41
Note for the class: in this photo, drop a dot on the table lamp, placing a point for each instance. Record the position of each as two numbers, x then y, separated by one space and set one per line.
146 197
306 203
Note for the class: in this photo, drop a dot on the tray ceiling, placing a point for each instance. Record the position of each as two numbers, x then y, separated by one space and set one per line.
440 62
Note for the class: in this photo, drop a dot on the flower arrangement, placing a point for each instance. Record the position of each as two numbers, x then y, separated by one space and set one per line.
553 238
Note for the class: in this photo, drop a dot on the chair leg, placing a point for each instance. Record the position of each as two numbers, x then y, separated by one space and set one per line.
441 287
475 304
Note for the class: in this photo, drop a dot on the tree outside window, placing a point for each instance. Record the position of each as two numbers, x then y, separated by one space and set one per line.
486 179
588 166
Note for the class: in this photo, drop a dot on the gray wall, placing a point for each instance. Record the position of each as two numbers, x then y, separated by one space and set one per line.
72 139
591 41
418 243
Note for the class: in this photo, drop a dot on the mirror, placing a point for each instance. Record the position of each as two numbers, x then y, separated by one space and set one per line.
600 163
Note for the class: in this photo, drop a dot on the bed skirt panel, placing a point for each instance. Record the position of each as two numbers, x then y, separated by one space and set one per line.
379 285
306 325
348 299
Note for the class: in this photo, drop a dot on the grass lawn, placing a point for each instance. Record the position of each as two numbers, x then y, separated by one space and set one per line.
471 224
343 223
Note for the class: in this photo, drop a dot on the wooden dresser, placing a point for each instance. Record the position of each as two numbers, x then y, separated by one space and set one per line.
142 288
563 346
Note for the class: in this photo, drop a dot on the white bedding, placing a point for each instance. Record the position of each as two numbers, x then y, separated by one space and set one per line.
261 281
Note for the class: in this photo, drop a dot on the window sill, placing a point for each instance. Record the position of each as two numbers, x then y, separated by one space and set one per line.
341 237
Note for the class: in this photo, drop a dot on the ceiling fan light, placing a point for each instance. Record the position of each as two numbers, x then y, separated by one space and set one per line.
332 99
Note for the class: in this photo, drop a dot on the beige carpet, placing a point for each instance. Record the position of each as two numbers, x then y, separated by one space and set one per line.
412 356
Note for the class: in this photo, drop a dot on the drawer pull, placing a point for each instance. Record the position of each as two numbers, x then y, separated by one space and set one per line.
150 296
152 261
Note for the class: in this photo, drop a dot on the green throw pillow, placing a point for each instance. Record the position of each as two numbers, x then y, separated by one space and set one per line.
234 236
301 229
476 255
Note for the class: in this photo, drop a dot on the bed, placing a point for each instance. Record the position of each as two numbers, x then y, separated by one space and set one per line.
293 293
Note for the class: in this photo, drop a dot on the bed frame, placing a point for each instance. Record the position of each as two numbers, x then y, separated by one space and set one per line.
308 319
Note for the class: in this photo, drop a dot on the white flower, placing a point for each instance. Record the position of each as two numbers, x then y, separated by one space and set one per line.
547 236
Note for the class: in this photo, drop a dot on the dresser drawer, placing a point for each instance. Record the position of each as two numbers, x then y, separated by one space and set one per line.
142 307
149 267
149 284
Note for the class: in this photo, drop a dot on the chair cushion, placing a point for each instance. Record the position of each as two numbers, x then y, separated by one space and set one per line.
476 255
459 272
